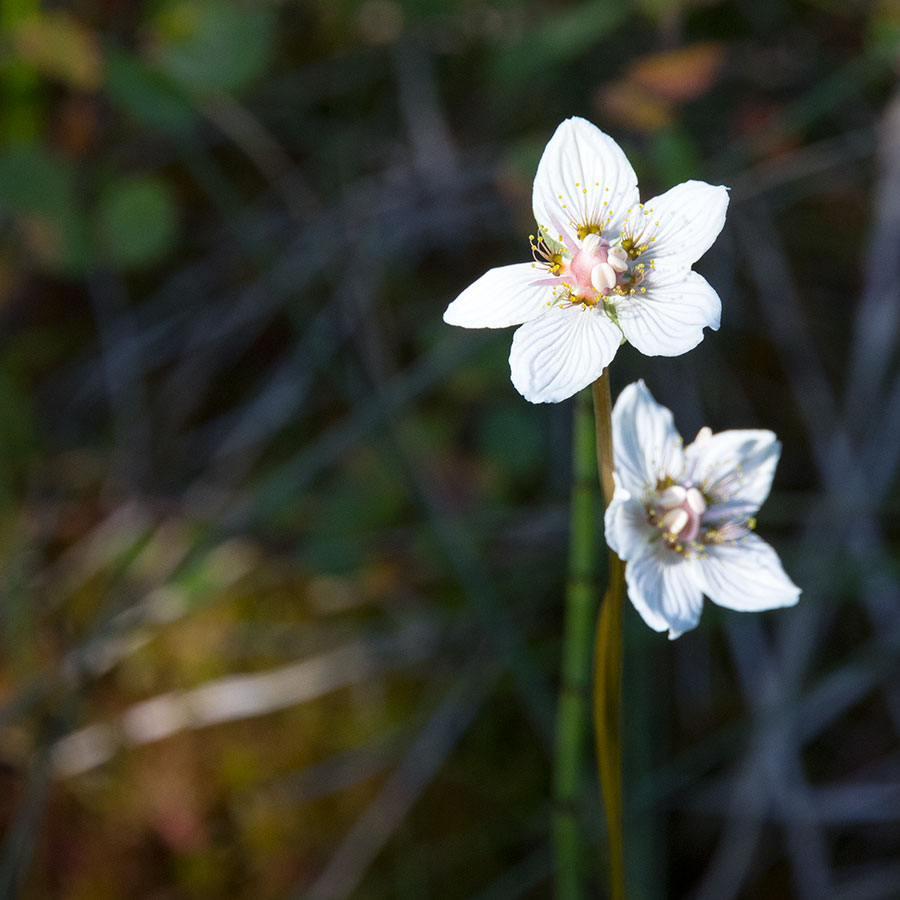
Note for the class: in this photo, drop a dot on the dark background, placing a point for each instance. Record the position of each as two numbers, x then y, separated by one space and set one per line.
282 555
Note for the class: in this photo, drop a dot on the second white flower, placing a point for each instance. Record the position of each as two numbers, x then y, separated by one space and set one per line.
682 518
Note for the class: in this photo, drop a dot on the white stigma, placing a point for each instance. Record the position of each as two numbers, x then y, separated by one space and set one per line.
603 277
695 501
591 244
618 259
674 520
672 496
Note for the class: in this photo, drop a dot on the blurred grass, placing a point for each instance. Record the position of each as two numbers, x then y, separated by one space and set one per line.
242 462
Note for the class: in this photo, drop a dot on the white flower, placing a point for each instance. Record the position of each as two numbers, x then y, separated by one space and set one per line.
606 268
682 517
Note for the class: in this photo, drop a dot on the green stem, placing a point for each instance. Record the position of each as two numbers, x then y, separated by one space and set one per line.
603 430
608 661
572 715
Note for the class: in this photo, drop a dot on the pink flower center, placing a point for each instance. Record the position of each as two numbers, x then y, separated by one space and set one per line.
593 253
594 270
678 513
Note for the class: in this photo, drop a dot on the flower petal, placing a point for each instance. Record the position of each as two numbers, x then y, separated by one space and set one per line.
746 575
684 221
563 351
501 297
662 588
669 317
736 465
645 443
627 528
583 178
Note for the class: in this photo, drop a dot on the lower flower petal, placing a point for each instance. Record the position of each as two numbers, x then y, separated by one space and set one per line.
669 317
746 575
567 348
662 588
501 297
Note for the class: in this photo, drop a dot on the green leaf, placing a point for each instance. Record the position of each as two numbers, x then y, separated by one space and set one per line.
674 155
556 39
146 94
39 190
33 181
136 222
211 47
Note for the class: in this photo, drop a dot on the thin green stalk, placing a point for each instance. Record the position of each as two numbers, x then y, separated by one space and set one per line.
573 710
603 431
608 660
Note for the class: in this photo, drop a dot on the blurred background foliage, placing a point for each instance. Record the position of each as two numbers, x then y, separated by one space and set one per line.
283 555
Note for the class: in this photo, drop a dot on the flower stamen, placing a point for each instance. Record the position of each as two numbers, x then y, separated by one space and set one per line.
544 256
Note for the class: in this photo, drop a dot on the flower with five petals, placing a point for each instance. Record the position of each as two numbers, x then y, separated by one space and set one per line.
682 518
606 269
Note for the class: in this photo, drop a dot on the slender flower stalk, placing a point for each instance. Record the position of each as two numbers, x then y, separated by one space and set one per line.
573 709
592 454
608 660
603 431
